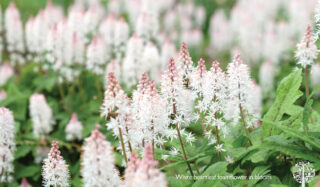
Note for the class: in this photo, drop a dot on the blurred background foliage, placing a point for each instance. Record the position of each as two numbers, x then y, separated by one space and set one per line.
85 102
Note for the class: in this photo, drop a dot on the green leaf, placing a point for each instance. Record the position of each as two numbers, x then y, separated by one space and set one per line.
215 170
22 151
257 174
295 134
287 93
45 82
200 155
27 171
308 109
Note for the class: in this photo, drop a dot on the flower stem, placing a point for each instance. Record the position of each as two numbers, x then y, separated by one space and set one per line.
306 81
122 145
63 100
217 129
183 150
218 141
244 124
129 144
181 142
197 168
201 121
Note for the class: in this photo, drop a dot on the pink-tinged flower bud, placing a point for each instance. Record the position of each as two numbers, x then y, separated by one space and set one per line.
133 165
98 162
41 115
74 128
184 63
112 96
24 183
112 67
144 172
6 71
55 171
307 51
143 83
3 95
7 145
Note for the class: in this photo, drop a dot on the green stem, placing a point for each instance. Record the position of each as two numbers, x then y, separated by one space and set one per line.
306 81
201 121
122 145
218 142
183 150
244 124
62 95
181 143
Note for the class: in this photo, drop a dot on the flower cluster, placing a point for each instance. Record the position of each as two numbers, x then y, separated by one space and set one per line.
91 37
14 34
41 115
149 112
74 128
143 172
240 88
97 162
7 145
6 72
24 183
178 99
3 95
255 31
55 170
307 51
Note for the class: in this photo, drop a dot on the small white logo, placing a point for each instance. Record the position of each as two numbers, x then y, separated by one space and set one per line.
303 172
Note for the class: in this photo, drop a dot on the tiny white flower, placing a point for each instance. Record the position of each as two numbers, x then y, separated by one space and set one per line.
208 133
190 138
212 140
174 151
164 157
219 148
229 159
